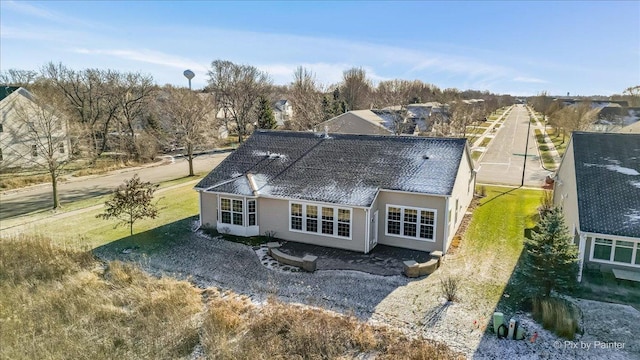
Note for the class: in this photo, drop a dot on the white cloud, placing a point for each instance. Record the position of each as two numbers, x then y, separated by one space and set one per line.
25 8
529 80
148 56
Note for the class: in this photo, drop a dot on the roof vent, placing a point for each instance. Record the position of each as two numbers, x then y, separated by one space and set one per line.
425 157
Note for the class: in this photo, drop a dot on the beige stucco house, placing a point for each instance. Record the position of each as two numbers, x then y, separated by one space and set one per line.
344 191
598 187
31 133
368 122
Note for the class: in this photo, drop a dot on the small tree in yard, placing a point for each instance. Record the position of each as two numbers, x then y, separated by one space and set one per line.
551 258
130 202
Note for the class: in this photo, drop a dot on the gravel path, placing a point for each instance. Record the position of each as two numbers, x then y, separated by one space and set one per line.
413 306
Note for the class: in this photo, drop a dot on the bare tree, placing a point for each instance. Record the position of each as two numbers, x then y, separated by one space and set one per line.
40 137
395 96
131 202
355 89
238 88
191 118
134 92
576 117
17 77
306 100
90 98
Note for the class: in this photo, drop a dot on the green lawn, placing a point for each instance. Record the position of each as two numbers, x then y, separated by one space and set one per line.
495 240
475 130
545 154
81 204
485 141
85 230
475 155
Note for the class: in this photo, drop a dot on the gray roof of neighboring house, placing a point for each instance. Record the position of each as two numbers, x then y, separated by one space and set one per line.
356 122
341 168
608 182
7 90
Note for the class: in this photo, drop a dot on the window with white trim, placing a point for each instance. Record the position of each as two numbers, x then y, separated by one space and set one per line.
34 150
251 212
411 222
324 220
327 220
311 223
231 211
61 148
296 216
616 251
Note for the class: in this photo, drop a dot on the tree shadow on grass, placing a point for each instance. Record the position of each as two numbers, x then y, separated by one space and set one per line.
506 192
150 241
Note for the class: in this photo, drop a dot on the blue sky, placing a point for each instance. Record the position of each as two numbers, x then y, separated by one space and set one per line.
520 48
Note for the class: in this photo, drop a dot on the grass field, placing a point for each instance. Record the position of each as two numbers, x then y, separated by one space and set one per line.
85 229
61 303
545 154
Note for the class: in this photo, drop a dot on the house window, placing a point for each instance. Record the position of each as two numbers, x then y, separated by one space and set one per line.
0 154
344 222
61 148
225 211
296 216
312 218
1 129
623 252
602 249
616 251
34 150
251 212
236 212
393 220
411 222
325 220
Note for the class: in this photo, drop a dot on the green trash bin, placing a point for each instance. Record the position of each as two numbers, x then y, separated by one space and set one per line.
498 319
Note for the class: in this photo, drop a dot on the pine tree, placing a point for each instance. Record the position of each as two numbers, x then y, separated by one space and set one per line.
266 119
551 258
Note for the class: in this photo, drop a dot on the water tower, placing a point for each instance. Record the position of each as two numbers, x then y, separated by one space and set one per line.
189 75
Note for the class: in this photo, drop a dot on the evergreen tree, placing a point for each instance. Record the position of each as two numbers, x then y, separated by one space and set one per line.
266 119
551 258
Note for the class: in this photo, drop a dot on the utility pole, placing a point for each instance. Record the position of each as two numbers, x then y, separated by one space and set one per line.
526 148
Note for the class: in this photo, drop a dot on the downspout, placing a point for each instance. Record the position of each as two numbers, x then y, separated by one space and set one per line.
583 243
200 205
367 226
446 225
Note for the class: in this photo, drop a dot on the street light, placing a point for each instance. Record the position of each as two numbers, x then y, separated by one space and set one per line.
189 75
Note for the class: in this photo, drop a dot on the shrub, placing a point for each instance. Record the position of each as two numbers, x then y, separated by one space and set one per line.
557 315
449 288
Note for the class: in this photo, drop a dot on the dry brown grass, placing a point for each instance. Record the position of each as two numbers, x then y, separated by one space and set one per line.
58 303
63 304
235 329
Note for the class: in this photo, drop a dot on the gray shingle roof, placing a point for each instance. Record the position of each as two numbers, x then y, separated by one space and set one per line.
343 168
608 182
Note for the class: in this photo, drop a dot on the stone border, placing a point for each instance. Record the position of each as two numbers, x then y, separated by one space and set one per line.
306 263
413 269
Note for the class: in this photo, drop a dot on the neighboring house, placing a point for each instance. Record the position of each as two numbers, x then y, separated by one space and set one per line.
634 128
367 122
21 120
341 190
282 111
598 187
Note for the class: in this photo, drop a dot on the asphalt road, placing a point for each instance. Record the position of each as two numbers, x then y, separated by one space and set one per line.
503 161
36 198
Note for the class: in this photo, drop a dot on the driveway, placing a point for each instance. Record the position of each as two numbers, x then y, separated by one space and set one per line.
503 161
24 201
